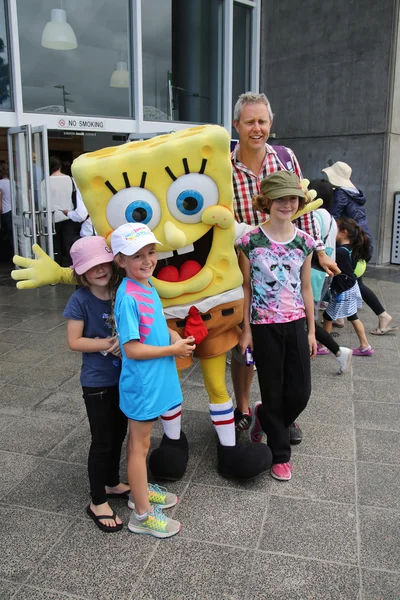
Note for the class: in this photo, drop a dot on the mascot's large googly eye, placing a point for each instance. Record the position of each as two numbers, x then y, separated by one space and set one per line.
189 195
133 205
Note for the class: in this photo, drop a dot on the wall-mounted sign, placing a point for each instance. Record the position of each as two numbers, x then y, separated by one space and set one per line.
81 123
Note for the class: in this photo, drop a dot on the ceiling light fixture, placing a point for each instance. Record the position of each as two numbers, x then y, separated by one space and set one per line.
57 33
120 77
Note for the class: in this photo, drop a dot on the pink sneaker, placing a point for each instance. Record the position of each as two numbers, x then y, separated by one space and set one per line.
368 351
255 430
282 471
322 350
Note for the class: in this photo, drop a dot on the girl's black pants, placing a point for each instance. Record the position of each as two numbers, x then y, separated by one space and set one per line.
282 357
108 426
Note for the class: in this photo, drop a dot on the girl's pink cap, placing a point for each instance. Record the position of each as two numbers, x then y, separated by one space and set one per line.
89 252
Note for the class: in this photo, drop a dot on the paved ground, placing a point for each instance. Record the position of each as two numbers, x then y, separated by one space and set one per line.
331 533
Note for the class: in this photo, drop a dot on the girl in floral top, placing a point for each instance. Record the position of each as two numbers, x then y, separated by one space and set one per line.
278 324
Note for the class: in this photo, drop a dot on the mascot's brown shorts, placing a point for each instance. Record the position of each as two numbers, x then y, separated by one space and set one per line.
223 331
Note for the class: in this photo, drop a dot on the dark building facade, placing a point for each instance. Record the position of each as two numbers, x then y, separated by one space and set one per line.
331 73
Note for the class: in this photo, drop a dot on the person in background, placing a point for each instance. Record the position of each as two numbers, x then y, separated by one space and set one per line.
321 281
61 202
353 245
6 212
349 201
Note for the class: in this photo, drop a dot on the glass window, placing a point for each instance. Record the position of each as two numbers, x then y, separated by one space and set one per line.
5 88
241 75
182 60
90 79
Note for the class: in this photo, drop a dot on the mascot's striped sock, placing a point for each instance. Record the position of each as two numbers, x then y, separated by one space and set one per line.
224 422
171 421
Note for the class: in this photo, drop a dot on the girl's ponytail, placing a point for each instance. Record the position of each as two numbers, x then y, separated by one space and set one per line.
359 240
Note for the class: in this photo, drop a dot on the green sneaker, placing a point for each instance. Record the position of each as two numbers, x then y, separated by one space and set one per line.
159 496
156 524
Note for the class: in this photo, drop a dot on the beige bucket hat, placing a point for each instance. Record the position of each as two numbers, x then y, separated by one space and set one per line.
339 175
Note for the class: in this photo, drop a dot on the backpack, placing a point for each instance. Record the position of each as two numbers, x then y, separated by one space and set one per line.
318 277
285 158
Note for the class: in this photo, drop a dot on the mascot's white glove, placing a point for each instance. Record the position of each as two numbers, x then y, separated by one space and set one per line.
40 271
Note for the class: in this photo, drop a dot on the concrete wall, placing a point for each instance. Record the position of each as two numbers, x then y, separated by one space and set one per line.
326 68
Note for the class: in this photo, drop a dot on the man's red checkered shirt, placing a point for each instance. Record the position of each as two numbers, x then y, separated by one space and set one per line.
246 185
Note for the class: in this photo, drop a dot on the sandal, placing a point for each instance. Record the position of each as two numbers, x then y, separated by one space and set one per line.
368 351
387 329
100 525
121 495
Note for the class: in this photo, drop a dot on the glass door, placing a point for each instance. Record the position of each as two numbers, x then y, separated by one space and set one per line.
19 153
45 228
29 172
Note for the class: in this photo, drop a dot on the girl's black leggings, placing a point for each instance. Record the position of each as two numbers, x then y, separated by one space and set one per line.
282 357
370 298
324 338
108 426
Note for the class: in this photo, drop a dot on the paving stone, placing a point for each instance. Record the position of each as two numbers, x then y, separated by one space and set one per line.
7 590
286 578
44 377
320 439
375 391
337 411
378 446
44 322
380 540
13 469
88 563
212 514
54 487
210 579
34 435
29 535
73 447
34 593
379 485
310 529
375 415
10 370
17 400
318 478
378 585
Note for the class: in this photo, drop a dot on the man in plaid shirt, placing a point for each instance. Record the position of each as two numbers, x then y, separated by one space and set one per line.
252 160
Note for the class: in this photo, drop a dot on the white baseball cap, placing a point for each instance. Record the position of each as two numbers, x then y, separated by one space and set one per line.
131 237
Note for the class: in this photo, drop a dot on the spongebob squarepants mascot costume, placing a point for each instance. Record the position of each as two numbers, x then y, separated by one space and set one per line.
180 185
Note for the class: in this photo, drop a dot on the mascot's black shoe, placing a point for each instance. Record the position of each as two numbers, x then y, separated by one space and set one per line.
168 462
243 461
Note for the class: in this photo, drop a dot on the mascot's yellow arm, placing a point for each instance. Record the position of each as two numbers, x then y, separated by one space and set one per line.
40 271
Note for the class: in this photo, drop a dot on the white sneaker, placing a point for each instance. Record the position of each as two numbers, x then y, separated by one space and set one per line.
344 358
156 524
159 496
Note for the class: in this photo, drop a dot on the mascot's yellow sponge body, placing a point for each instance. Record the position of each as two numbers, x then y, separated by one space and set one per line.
180 185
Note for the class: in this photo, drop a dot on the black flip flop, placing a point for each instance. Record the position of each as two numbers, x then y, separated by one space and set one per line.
121 495
100 525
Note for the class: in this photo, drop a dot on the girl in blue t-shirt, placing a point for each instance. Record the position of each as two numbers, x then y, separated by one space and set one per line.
149 384
90 331
278 314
